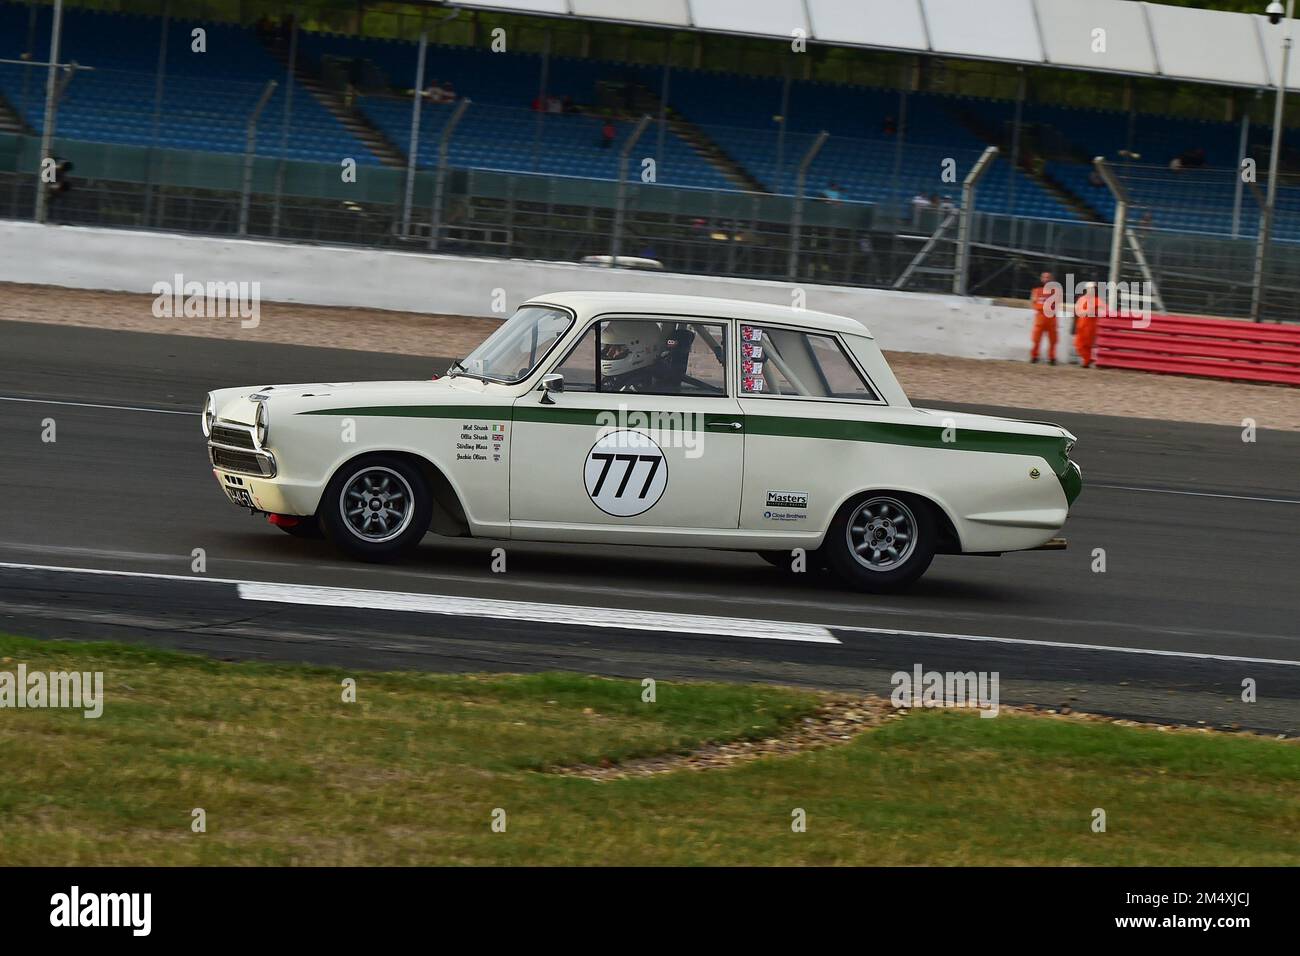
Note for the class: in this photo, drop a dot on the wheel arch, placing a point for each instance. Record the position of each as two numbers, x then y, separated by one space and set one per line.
949 540
448 514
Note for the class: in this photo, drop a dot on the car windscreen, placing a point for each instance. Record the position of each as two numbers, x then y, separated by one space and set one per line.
512 352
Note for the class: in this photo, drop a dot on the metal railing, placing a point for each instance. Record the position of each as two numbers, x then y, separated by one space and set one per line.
689 230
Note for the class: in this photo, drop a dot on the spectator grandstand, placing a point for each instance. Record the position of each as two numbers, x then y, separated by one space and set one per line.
872 155
202 108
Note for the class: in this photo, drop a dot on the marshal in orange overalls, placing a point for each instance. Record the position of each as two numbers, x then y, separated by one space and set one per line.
1087 311
1045 309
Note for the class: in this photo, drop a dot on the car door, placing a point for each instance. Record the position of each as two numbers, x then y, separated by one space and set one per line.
804 397
646 432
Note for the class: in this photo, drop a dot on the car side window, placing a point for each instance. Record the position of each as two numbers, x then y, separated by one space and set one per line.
579 366
649 357
783 363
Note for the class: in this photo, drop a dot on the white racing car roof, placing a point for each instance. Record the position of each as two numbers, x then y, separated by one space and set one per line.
589 304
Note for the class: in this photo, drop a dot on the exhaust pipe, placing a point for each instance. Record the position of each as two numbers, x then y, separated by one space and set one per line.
1055 544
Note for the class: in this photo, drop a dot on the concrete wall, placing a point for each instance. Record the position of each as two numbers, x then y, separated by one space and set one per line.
115 259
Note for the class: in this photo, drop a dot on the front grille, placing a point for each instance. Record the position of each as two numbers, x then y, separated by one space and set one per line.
227 435
244 462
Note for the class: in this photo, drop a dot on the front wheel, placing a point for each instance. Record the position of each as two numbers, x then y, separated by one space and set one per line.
376 508
882 542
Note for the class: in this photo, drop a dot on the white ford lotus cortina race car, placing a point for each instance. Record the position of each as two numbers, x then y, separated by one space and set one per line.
654 420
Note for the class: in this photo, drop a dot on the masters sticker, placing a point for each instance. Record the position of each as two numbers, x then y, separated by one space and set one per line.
750 333
751 351
750 384
787 499
625 473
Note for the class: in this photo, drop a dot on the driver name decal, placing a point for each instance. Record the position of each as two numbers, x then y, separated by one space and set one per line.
625 473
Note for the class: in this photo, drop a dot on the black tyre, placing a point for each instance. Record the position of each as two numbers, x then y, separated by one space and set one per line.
376 508
882 542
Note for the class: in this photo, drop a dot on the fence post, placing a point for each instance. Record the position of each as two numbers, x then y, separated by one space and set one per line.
287 119
622 186
414 148
250 147
961 268
1121 224
159 87
797 220
1266 221
51 107
440 175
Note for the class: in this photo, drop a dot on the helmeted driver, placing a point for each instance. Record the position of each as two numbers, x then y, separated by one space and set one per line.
630 353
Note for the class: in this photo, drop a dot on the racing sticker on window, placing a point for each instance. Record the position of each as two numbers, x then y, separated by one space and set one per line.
625 473
751 359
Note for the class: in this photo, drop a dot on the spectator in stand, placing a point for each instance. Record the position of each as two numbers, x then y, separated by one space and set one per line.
832 193
889 127
607 133
567 105
554 105
1046 302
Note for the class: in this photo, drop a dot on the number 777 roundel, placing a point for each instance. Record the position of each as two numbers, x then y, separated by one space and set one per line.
625 473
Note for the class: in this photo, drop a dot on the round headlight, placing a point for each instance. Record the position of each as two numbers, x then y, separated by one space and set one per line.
209 413
262 423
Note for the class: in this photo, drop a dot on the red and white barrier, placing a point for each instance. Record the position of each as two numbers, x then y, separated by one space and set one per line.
1213 348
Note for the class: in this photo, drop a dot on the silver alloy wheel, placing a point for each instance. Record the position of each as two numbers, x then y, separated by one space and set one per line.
881 533
376 504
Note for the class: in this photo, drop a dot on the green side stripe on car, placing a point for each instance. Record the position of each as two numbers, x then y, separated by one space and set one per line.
471 412
1051 450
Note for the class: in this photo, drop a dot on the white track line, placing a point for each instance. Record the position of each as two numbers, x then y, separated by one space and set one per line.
633 620
119 408
493 608
750 626
1078 647
1193 494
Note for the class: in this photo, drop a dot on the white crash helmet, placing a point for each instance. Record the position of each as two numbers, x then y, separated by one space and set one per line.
627 347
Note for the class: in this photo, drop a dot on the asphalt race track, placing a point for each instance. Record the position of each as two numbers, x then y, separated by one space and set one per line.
1200 531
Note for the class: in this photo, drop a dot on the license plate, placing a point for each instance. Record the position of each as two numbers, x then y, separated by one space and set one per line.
240 496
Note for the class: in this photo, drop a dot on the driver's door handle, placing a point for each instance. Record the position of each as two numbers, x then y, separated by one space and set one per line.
733 426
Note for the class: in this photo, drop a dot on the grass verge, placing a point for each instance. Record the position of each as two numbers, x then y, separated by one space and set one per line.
411 773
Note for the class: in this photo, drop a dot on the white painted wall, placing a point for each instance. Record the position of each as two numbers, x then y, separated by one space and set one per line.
115 259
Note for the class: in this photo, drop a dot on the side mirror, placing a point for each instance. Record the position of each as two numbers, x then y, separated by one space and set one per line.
551 383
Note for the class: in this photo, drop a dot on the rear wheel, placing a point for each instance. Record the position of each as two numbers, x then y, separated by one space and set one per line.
376 508
882 542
